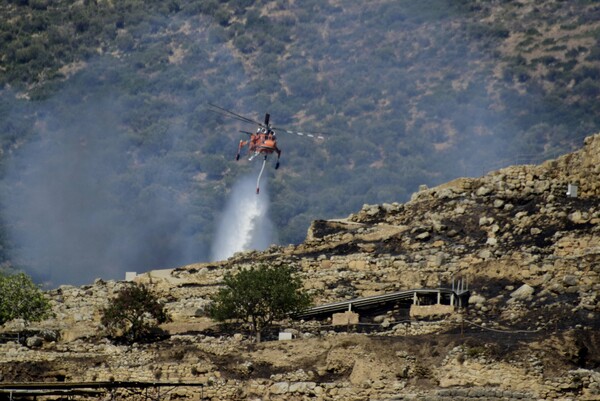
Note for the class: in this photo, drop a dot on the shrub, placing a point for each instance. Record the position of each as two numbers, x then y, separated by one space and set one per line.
259 295
20 298
135 313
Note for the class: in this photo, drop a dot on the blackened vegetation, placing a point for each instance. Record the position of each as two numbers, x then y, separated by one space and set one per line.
198 285
21 336
235 366
489 287
532 222
545 238
588 344
340 249
44 371
344 289
324 228
400 244
529 204
194 270
393 245
547 225
342 282
465 228
250 257
557 315
553 310
373 218
26 371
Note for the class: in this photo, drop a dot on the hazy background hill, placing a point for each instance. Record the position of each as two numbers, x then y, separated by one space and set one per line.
110 160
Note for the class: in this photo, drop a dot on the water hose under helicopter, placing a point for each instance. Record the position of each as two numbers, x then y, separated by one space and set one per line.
260 175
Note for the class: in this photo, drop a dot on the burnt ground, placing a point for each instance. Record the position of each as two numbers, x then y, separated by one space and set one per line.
557 352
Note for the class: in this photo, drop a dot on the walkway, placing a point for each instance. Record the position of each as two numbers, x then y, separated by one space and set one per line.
458 297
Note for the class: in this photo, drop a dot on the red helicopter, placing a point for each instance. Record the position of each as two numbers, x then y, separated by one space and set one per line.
263 141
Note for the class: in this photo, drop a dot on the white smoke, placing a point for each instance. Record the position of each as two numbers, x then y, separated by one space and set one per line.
245 223
73 203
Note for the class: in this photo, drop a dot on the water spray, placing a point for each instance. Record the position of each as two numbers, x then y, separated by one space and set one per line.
245 223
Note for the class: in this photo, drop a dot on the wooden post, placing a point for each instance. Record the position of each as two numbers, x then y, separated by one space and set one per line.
348 321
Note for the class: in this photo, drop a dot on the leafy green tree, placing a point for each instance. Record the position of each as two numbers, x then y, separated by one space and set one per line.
135 313
20 298
259 296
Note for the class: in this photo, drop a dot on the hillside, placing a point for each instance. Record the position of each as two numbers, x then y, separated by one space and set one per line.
107 101
530 254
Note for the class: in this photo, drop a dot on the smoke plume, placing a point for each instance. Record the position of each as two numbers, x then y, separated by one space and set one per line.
79 205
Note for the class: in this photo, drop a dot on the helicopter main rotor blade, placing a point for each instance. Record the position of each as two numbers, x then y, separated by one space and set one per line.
230 116
308 134
228 113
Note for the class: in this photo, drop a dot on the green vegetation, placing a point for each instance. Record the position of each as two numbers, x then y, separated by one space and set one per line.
408 93
259 296
134 314
20 298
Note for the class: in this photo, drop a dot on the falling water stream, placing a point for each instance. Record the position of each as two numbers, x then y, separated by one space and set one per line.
245 223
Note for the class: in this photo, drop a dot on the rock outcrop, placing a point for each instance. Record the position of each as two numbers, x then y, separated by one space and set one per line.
529 252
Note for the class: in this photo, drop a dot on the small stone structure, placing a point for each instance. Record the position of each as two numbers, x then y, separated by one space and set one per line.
285 336
345 318
419 311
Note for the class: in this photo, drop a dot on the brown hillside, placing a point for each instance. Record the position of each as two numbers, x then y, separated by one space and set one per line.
530 254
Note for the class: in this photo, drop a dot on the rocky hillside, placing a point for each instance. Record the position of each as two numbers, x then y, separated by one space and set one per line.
405 92
530 254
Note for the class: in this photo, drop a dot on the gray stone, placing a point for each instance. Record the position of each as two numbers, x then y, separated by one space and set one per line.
483 191
476 299
379 319
492 241
35 341
570 280
485 254
280 388
423 236
524 292
579 218
302 387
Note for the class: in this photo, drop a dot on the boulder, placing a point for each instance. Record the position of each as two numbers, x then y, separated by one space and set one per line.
280 388
476 299
570 280
523 293
34 342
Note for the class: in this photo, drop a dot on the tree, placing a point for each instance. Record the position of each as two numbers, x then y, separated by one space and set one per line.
20 298
135 313
259 295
